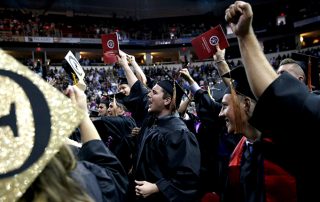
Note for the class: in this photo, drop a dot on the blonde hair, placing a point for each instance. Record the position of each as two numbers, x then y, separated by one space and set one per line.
54 183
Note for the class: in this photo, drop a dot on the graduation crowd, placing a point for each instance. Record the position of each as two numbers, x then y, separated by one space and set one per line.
141 141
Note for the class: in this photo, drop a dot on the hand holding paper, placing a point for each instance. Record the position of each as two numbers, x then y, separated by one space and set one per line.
76 71
110 46
205 44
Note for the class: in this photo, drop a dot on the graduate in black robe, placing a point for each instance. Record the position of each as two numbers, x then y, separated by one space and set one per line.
215 144
132 90
286 110
168 159
256 172
135 102
297 116
115 131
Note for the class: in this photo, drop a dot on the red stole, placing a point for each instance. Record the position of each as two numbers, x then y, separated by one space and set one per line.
280 186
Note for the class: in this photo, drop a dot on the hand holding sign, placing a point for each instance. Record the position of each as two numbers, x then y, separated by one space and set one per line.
110 46
205 44
76 71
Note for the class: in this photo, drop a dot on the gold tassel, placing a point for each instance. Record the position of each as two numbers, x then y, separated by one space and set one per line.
173 106
209 92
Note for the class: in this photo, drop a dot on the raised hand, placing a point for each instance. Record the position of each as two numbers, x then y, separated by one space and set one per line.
239 16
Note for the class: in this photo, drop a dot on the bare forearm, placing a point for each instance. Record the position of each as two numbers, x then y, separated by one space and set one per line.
88 131
223 68
258 69
139 72
131 77
183 106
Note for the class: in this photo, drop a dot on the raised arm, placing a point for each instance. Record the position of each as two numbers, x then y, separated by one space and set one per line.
184 105
131 77
184 73
221 64
206 104
259 72
87 129
139 73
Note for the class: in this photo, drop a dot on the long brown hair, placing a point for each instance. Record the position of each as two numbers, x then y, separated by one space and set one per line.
54 183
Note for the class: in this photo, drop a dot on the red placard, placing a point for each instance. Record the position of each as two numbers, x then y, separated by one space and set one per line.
110 46
204 44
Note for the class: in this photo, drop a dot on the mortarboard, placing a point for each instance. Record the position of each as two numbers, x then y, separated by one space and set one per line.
72 75
150 82
35 121
168 86
122 80
239 81
119 97
311 70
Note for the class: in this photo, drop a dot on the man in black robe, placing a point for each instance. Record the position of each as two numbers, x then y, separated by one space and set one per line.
132 100
215 144
295 124
168 159
115 132
256 171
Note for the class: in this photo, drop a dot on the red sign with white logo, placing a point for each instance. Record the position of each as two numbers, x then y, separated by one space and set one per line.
204 44
110 46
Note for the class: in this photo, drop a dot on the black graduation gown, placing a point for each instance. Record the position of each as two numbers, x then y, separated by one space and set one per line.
136 102
170 157
214 143
100 173
192 123
115 132
291 116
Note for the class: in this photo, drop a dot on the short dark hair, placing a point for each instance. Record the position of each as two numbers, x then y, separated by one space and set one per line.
288 61
105 102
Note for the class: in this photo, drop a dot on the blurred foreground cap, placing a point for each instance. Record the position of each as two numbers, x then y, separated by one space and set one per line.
35 121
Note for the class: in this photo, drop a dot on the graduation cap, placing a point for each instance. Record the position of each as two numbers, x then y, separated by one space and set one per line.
122 80
35 121
118 96
174 89
309 64
150 82
239 82
72 75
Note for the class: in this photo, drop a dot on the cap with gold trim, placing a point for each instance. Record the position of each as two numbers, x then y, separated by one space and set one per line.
34 123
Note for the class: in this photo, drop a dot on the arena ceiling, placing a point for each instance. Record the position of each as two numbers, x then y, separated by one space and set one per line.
140 9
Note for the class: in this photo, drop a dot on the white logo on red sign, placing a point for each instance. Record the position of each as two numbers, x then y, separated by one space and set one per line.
214 40
110 44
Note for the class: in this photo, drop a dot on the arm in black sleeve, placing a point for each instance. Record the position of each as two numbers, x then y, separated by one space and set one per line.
137 102
207 108
97 153
183 157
